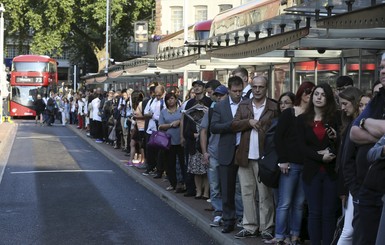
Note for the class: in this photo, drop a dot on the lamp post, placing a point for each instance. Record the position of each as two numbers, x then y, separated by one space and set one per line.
107 35
3 88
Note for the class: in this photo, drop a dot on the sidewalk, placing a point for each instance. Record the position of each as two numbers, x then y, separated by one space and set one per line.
192 209
7 136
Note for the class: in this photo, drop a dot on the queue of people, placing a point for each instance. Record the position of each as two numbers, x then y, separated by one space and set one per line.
322 139
52 107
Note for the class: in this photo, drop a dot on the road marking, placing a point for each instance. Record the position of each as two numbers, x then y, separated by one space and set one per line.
79 151
63 171
44 137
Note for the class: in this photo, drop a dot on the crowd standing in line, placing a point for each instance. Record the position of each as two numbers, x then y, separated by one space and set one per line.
325 142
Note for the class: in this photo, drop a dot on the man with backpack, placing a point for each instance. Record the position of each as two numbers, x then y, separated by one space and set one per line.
209 146
244 75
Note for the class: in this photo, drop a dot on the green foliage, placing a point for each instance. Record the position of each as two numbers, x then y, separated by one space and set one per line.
78 25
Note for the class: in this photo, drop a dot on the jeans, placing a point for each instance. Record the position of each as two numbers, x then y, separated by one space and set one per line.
215 186
291 198
321 195
346 237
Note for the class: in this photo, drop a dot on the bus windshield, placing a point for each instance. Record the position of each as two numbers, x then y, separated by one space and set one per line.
26 95
30 66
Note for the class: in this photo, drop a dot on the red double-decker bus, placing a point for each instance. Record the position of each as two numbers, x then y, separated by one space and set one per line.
31 75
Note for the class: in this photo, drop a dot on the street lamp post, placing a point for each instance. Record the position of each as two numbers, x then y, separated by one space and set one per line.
3 89
107 35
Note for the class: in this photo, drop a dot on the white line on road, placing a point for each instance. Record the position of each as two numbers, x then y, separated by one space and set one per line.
63 171
44 137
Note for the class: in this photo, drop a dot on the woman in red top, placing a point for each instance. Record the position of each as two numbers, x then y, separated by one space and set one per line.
317 134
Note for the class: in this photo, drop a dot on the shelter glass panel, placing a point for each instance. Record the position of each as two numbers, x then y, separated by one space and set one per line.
363 74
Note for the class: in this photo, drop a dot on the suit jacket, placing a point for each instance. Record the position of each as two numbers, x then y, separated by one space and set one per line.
241 124
221 124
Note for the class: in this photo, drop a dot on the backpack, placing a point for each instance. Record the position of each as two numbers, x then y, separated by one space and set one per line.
247 95
269 171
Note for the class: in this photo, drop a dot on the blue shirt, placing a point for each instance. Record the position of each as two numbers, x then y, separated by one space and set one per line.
166 117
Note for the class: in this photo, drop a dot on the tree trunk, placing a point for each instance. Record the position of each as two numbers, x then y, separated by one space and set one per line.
101 56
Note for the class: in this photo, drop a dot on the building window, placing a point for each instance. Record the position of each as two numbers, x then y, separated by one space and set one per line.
11 52
200 13
224 7
176 19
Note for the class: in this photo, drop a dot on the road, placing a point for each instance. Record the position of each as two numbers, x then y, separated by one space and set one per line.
57 189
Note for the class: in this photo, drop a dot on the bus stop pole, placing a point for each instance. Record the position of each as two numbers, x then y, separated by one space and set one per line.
3 89
75 78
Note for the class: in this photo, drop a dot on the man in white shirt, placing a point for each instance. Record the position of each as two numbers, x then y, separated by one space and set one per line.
97 120
152 110
252 119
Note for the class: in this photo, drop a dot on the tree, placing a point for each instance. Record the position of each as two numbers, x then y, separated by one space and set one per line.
79 26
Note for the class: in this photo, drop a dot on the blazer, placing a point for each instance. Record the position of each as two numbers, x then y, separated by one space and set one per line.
309 145
221 124
241 124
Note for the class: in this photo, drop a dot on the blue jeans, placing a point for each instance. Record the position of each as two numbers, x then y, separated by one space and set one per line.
291 198
215 186
321 195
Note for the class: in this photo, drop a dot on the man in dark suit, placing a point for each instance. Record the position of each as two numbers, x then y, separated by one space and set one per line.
223 114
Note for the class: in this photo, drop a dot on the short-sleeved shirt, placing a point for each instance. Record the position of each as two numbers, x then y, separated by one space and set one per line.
212 147
166 117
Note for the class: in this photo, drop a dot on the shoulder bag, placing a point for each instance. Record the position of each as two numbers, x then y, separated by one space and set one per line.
160 140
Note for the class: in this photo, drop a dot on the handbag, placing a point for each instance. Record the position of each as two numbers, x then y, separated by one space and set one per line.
269 172
338 230
112 135
160 140
375 177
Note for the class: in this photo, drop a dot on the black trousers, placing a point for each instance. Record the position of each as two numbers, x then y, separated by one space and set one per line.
170 163
228 177
152 155
98 129
189 178
366 219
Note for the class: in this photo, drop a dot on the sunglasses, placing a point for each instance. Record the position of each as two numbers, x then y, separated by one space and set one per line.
308 91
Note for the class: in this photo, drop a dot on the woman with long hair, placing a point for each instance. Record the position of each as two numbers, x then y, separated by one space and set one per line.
285 101
137 128
290 190
350 108
169 121
364 101
318 141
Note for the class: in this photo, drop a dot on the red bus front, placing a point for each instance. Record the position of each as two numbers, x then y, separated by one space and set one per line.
30 75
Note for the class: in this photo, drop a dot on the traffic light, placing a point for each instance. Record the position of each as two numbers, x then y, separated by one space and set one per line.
141 31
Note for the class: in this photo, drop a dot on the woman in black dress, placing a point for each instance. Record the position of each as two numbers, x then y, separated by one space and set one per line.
39 108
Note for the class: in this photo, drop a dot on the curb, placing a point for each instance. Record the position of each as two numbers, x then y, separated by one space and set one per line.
185 210
7 138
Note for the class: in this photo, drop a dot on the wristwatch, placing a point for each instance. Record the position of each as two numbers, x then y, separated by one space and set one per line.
362 123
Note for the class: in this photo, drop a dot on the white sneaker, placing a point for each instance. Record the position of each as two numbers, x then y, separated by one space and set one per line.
216 222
